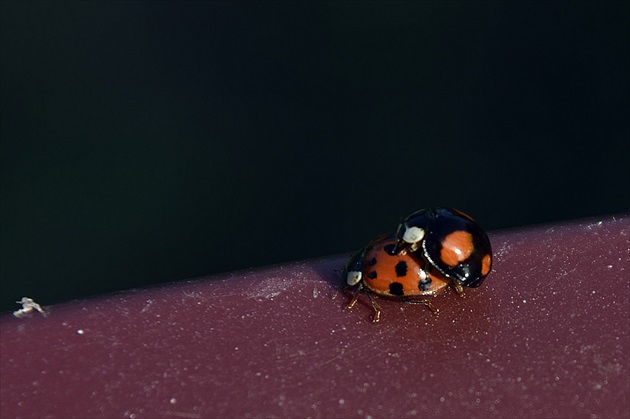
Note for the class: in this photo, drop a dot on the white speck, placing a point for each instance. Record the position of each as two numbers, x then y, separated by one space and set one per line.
173 400
28 305
80 331
236 348
524 301
315 292
342 402
146 307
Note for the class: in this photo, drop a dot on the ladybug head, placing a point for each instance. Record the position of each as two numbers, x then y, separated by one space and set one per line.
352 272
408 239
411 232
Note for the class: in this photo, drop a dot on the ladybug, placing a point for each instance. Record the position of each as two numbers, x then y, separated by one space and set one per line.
377 269
448 240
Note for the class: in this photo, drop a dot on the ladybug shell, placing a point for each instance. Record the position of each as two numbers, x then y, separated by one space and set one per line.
389 274
453 243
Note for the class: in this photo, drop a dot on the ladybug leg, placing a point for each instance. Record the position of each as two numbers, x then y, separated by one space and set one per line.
427 303
355 298
458 289
411 249
376 307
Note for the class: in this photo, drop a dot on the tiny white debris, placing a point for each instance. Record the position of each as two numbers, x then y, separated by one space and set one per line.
146 307
173 400
28 305
80 331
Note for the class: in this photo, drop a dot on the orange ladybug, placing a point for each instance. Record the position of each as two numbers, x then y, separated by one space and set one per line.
377 269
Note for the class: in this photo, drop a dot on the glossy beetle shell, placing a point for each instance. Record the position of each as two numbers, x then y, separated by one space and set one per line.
386 273
452 242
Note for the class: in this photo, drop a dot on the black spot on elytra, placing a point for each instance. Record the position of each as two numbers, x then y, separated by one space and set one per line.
372 275
372 262
401 268
424 284
396 288
389 248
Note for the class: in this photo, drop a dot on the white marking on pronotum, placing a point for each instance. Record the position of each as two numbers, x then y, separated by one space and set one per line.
28 305
413 235
354 277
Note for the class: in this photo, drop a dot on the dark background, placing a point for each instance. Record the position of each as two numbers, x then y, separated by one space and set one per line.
144 142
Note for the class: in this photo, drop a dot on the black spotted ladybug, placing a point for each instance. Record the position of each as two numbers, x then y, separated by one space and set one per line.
377 269
448 240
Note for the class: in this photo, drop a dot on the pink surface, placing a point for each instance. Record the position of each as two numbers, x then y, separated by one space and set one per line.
547 335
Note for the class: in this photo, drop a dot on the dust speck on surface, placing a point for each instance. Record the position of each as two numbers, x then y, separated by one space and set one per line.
28 305
274 286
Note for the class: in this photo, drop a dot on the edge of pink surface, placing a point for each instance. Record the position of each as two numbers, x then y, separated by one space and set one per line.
547 335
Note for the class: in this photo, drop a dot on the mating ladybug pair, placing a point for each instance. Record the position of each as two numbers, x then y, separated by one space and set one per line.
432 249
